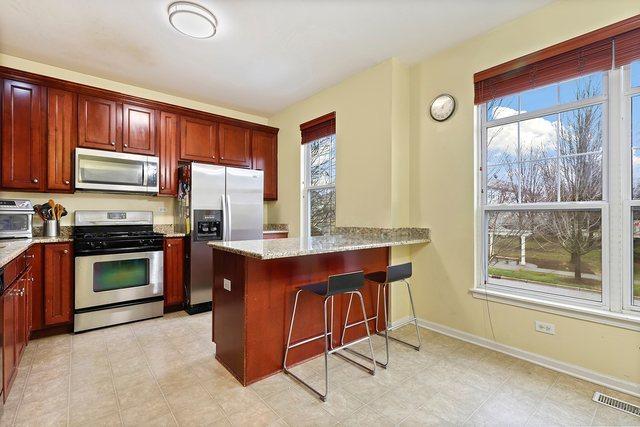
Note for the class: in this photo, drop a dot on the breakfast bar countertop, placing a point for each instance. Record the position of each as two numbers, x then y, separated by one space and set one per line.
301 246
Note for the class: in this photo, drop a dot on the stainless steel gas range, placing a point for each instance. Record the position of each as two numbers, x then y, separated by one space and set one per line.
118 268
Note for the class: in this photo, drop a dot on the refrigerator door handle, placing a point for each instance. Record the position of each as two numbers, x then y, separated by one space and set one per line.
224 218
228 217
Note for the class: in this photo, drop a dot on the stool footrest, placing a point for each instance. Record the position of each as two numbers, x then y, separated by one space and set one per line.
351 325
308 340
400 325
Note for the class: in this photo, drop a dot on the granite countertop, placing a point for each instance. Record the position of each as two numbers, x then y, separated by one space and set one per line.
11 248
297 246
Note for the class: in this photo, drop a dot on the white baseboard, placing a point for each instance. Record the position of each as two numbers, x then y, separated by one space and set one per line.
557 365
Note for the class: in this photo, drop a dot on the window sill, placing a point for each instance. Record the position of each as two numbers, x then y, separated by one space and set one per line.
620 320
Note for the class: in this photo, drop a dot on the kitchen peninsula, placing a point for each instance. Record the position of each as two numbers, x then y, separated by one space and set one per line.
254 287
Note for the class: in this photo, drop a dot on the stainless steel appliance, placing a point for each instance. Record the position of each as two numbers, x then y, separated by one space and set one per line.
118 268
16 219
216 203
115 172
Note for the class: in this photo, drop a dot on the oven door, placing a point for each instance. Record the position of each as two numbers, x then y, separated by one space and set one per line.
117 278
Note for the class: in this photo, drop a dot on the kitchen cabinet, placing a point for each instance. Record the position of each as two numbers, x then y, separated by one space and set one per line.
138 130
36 290
235 145
173 272
62 136
198 140
264 149
58 283
168 154
98 124
23 125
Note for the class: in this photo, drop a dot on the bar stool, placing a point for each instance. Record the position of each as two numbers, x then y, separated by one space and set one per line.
348 283
393 274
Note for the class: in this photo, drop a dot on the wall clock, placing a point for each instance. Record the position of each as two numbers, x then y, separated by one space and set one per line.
442 107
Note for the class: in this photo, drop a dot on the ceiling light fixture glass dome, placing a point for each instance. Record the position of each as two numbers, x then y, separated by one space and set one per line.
192 19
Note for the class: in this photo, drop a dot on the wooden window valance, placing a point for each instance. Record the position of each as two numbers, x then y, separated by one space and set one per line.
318 128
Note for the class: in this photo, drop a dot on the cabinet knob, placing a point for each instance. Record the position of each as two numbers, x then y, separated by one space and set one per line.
162 187
66 251
168 245
113 143
35 180
126 145
66 182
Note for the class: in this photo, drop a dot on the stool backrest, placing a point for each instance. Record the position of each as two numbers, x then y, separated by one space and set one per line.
398 272
347 282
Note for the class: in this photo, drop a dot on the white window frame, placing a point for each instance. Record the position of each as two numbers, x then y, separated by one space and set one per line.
616 307
306 189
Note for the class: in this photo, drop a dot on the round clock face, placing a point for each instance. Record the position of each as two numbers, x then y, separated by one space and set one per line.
442 107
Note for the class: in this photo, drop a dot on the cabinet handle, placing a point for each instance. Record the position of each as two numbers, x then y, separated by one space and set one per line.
35 180
29 256
113 143
66 182
66 251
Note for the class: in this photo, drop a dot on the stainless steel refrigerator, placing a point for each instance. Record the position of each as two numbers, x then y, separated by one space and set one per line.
215 203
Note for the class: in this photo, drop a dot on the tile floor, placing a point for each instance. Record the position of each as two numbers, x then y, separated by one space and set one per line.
162 372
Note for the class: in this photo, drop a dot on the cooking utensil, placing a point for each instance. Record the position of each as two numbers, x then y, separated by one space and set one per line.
47 214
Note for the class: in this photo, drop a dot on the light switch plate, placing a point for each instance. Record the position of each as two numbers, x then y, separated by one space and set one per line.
226 283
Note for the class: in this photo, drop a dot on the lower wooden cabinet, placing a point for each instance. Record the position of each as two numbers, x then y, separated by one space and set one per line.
173 272
14 328
58 283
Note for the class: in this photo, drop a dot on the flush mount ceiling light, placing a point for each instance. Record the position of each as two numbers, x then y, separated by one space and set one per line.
192 20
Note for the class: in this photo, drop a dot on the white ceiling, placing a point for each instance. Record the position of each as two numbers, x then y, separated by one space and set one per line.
266 55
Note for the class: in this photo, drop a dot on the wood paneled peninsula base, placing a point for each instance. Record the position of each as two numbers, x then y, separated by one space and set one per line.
254 285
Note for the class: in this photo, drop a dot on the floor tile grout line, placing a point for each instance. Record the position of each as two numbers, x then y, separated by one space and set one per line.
214 399
544 399
156 379
69 382
26 382
113 380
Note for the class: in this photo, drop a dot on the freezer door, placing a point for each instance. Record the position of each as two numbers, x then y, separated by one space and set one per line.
244 204
207 187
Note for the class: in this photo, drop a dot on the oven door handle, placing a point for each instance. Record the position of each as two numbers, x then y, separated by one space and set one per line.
145 174
229 224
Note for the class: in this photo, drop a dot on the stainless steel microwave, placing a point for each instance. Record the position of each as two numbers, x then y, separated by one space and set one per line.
99 170
16 218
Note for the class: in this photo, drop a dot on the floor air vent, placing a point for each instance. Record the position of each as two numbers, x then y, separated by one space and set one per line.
616 404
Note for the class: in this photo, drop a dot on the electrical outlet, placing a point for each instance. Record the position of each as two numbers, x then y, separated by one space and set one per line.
545 328
162 209
226 283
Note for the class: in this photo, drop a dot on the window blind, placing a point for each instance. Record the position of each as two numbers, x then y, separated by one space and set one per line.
599 50
318 128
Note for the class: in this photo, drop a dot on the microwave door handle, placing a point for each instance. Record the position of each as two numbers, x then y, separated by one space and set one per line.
145 174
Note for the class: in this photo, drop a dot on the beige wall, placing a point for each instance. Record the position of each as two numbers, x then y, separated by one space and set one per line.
442 179
383 131
162 207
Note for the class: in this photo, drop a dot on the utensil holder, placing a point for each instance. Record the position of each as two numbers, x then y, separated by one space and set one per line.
51 228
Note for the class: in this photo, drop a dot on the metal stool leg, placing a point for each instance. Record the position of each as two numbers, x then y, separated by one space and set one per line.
357 353
413 320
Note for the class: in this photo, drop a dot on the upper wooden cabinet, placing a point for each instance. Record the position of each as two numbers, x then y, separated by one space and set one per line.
264 149
235 145
97 123
58 283
168 154
138 130
23 125
62 136
198 140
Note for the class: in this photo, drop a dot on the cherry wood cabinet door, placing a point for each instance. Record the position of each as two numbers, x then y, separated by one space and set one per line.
235 145
264 149
62 136
36 291
198 140
138 130
173 272
8 340
58 283
97 123
23 124
20 305
168 154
